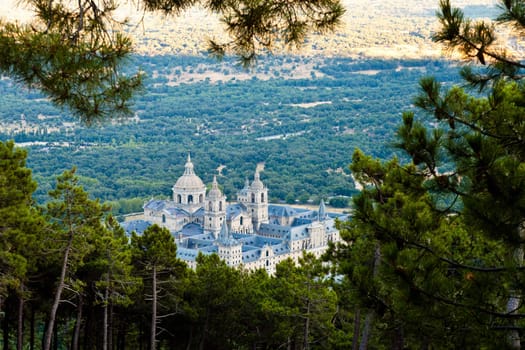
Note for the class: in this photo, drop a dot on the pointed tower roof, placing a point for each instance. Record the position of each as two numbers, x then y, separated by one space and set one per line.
288 212
188 167
225 237
322 211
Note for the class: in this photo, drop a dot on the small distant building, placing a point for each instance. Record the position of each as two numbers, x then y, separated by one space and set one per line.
249 232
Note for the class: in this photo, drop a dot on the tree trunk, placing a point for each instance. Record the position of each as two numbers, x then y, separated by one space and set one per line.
205 330
399 339
190 339
110 326
58 294
55 337
154 308
121 336
5 329
105 319
32 329
20 330
515 298
366 330
370 315
357 327
306 330
78 323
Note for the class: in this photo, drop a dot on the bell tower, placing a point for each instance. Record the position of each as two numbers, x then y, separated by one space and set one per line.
257 201
214 209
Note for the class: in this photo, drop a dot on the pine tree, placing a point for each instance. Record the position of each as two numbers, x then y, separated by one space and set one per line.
108 276
75 220
156 257
435 247
16 190
300 305
21 229
216 302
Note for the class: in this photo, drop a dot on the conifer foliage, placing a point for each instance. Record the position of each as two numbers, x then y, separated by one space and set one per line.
71 278
434 252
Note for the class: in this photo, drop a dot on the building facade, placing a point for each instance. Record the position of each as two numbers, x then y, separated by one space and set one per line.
249 232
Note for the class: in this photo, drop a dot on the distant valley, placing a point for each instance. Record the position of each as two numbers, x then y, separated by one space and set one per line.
303 129
301 113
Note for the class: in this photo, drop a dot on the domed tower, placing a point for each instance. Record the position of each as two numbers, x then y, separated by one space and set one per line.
257 201
189 190
214 209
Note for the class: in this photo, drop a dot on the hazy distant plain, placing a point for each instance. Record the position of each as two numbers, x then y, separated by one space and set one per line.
377 28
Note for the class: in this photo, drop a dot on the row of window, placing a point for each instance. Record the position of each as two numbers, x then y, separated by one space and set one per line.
190 199
210 206
240 199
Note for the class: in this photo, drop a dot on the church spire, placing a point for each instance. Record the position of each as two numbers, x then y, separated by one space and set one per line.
188 168
224 234
225 237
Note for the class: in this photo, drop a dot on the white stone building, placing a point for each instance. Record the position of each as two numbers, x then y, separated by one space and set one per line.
249 232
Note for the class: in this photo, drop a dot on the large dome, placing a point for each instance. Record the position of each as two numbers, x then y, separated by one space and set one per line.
257 183
189 180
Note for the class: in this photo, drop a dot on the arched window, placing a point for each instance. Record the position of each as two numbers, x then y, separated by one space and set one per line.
262 197
163 218
190 199
201 199
240 220
253 197
220 205
210 206
179 199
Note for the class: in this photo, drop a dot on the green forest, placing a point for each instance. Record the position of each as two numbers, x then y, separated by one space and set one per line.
232 123
111 289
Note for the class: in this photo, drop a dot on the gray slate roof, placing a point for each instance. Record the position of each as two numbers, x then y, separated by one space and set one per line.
138 226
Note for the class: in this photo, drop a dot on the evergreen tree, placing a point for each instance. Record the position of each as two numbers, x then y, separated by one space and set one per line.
300 305
75 221
156 257
16 189
434 251
21 229
107 273
216 299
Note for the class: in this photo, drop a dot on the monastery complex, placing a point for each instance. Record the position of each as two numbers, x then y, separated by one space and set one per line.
249 232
